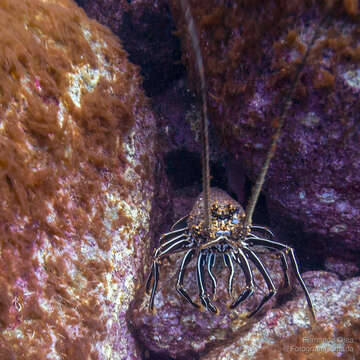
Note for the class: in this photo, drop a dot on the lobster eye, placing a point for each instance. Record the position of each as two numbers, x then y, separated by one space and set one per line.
235 218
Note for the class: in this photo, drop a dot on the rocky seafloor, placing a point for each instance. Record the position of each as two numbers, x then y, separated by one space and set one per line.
100 154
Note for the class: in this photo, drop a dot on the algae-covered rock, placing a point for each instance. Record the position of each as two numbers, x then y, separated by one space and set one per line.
76 162
146 30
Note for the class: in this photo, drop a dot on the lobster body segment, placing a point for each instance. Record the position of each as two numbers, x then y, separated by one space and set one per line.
226 217
225 237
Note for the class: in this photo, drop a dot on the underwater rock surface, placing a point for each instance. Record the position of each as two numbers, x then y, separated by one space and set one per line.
145 28
175 328
179 331
251 54
284 333
76 164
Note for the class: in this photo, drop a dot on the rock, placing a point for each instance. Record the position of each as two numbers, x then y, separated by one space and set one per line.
146 30
76 180
284 333
251 54
178 330
345 269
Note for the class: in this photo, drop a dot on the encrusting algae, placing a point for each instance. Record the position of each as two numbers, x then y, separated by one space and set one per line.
69 104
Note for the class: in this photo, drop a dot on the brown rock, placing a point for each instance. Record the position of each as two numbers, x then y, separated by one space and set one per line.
76 150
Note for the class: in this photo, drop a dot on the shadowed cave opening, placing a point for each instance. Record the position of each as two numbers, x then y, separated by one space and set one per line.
183 169
149 39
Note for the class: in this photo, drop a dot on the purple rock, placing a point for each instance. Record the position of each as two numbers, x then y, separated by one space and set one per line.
251 55
178 329
285 332
345 269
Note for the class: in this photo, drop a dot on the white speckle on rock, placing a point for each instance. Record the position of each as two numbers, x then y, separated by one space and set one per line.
83 78
342 206
86 77
258 101
129 146
310 119
52 354
302 194
25 83
338 228
352 78
52 215
327 196
60 114
197 345
300 318
294 55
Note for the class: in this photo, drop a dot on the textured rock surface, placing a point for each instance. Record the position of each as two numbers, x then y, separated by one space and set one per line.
250 54
146 29
345 269
76 150
179 330
285 333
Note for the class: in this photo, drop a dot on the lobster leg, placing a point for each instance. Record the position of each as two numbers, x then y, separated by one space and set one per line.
241 259
204 297
272 290
290 251
230 266
264 228
211 258
175 232
179 285
285 268
154 273
253 240
181 223
168 248
162 246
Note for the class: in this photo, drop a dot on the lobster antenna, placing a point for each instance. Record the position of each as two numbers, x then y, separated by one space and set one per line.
204 119
283 114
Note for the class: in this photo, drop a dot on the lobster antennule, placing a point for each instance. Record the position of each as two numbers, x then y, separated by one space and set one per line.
283 113
204 119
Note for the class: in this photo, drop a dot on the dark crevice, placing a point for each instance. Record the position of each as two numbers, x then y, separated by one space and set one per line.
147 34
155 34
261 216
183 168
